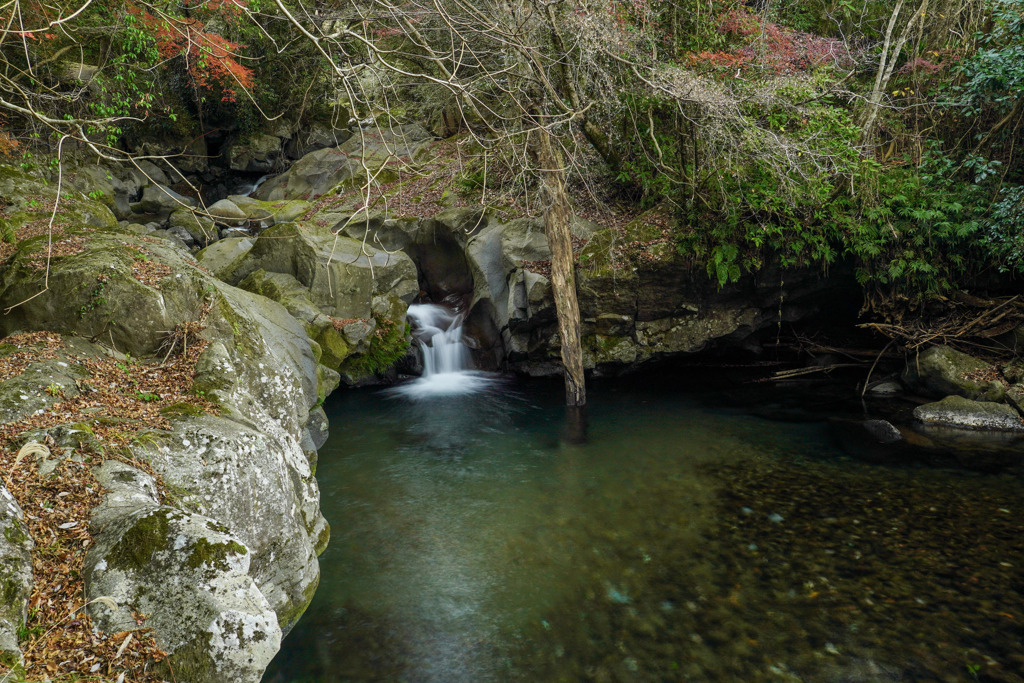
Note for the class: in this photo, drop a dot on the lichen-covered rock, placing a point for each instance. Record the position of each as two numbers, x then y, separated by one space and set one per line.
942 371
957 411
15 577
37 388
240 483
191 577
258 484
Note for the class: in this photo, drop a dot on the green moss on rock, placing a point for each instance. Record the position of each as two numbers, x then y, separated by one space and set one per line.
138 545
214 554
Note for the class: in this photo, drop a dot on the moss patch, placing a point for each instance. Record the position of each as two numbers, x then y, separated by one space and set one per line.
139 544
15 534
214 554
180 410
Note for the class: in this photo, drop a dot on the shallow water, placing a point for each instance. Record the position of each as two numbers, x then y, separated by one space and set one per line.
696 535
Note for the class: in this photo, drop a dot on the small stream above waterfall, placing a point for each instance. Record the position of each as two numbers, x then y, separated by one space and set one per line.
447 364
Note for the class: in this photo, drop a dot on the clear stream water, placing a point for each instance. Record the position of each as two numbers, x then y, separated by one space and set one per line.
740 533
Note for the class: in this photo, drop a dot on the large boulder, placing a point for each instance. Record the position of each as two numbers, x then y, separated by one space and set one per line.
220 257
369 153
15 577
199 229
957 411
317 136
943 371
342 274
258 154
102 184
159 200
227 563
187 573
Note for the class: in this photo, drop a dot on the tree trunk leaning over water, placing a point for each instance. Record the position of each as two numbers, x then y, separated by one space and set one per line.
558 230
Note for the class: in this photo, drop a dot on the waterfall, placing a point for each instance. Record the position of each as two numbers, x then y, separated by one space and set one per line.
247 191
439 332
447 365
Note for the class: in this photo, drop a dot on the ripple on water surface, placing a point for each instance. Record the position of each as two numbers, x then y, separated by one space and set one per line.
470 542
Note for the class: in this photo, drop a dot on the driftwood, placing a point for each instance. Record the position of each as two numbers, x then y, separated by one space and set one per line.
965 320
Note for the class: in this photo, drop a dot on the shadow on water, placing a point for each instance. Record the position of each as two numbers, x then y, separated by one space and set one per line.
720 536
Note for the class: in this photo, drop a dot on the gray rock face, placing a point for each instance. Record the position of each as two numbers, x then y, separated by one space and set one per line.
369 151
227 562
227 213
630 315
318 136
219 256
15 576
942 371
957 411
162 201
222 467
341 274
100 182
259 154
192 228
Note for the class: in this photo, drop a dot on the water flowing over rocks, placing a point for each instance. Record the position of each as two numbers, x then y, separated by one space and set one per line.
631 316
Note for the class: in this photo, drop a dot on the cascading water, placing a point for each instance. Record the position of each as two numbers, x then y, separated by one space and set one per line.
447 366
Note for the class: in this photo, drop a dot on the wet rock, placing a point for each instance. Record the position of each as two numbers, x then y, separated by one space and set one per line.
941 371
882 430
885 388
956 411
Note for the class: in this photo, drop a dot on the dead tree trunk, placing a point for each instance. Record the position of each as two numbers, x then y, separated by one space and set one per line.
557 228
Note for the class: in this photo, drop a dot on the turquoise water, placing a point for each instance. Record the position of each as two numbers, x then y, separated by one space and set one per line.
727 535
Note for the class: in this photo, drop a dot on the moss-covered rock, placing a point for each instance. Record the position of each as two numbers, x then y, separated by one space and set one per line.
942 371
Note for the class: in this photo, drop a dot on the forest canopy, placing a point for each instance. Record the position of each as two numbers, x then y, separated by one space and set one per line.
773 133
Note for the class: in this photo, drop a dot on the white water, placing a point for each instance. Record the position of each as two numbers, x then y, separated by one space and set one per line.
447 365
255 186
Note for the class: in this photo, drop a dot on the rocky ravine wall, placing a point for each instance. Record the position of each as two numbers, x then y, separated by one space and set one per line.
225 566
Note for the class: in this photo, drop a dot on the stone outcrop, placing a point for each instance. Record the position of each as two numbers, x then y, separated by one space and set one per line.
226 566
368 153
15 576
